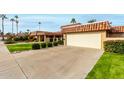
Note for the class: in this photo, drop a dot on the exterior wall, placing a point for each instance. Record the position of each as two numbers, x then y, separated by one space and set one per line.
65 39
47 39
114 38
103 38
39 38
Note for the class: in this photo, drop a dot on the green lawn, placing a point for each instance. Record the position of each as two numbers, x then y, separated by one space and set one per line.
19 47
109 66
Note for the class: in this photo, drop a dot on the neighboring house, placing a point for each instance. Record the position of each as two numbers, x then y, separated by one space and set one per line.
91 35
116 31
46 36
21 34
5 37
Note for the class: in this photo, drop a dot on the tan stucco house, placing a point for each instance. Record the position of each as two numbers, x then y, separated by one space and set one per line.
91 35
46 36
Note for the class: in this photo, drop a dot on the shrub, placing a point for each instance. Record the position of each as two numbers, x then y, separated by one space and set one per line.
115 46
49 44
51 40
9 42
31 38
55 39
55 43
35 46
43 45
9 39
21 38
16 39
25 38
61 42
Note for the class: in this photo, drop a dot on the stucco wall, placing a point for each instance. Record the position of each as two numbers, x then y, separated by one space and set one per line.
114 38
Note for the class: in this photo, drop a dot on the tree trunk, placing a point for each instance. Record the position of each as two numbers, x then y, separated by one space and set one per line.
39 27
2 29
17 28
12 27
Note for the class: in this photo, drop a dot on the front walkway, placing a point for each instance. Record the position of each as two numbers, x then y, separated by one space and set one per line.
9 69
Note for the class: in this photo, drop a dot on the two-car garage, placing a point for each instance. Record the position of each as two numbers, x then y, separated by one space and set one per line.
91 35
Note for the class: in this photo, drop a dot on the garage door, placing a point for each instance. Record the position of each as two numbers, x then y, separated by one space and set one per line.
88 39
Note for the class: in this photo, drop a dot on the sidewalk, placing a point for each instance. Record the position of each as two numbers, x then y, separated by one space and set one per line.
9 69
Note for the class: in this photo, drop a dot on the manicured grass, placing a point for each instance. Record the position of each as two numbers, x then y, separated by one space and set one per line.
19 47
109 66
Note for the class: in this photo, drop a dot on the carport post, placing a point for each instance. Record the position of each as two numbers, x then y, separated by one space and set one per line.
54 38
44 38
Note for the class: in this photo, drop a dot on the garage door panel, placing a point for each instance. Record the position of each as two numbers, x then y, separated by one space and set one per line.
91 40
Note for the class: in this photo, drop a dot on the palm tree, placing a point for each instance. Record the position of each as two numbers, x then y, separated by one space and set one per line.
73 21
3 17
92 21
28 30
16 17
12 20
39 25
0 31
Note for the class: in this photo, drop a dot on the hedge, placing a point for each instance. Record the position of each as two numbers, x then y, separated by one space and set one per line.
55 43
9 42
49 44
35 46
43 45
115 46
61 42
16 39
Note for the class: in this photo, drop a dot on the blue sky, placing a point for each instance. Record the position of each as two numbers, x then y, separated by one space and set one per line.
52 22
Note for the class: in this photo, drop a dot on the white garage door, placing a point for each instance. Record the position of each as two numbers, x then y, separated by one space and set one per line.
88 39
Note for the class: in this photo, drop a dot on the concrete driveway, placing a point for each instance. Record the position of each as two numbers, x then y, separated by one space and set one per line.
58 62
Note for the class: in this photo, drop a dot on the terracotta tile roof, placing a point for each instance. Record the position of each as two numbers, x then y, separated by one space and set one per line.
118 29
71 25
89 27
21 34
44 33
33 33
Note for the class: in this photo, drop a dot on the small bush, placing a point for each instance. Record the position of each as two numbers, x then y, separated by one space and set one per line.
115 46
60 42
43 45
51 40
31 38
35 46
16 39
9 39
9 42
55 43
21 38
25 38
49 44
